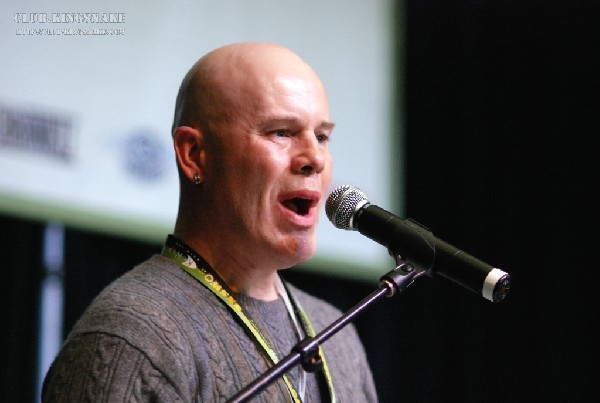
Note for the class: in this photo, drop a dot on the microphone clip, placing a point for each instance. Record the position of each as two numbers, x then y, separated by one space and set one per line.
401 277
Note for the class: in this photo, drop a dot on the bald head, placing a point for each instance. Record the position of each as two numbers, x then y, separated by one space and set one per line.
229 77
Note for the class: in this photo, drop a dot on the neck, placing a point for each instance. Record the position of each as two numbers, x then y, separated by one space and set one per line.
242 277
252 283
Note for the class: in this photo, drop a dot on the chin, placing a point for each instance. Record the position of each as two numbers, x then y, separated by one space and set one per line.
305 251
299 249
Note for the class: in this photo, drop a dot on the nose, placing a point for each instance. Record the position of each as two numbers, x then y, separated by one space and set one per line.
310 154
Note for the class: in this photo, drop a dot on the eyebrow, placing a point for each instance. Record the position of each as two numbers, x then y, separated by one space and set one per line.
325 124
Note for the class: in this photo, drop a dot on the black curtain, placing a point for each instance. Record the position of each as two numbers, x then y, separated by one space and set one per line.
22 270
92 261
500 121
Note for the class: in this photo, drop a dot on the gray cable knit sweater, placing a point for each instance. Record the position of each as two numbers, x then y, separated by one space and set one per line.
157 334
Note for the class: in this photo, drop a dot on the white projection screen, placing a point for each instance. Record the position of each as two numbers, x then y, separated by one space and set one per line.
87 92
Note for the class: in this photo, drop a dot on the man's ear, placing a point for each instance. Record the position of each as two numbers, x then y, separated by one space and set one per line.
189 148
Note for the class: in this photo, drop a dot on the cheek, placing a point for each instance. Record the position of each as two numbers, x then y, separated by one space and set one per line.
255 177
328 171
326 174
264 169
256 180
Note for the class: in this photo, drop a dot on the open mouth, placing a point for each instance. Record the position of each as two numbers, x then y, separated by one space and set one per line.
298 205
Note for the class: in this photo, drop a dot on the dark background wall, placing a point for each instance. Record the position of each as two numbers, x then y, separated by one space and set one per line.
500 121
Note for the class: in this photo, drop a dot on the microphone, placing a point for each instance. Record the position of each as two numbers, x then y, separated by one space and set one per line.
348 208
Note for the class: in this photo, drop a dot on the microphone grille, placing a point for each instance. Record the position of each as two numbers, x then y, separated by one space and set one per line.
342 204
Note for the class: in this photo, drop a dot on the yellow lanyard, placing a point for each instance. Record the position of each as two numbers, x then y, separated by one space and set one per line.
194 265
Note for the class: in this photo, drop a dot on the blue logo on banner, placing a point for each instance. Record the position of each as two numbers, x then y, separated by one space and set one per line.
145 156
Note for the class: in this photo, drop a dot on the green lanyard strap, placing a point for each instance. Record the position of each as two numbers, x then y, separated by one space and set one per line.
194 265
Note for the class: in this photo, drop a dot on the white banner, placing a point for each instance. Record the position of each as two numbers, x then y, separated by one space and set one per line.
87 95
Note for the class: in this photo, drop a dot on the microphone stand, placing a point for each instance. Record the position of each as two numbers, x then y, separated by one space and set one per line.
306 351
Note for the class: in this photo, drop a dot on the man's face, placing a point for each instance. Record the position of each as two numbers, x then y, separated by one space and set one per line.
271 170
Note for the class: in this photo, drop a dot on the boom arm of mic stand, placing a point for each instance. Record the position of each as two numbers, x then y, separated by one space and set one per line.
306 352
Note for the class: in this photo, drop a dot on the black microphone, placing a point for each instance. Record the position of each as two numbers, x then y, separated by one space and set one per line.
348 208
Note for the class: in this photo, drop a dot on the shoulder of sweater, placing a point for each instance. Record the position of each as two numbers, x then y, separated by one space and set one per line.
158 279
155 303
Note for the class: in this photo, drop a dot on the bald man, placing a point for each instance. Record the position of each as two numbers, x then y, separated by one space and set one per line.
211 314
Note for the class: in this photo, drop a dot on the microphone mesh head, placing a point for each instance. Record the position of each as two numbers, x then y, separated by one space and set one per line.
342 204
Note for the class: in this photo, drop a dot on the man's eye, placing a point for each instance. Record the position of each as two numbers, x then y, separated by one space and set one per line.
280 133
322 138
